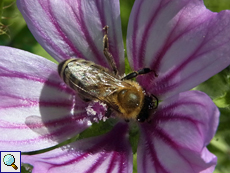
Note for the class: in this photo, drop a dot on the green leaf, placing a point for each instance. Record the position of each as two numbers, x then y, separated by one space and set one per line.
218 88
217 5
220 144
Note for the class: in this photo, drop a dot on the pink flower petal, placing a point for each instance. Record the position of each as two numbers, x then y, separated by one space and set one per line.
176 138
181 40
70 28
36 108
107 153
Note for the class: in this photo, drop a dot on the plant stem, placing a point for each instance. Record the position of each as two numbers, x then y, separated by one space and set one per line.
1 8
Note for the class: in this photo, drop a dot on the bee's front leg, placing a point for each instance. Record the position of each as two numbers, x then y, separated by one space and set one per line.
139 72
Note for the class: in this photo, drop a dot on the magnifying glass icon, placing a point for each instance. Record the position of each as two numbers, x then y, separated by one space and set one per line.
9 160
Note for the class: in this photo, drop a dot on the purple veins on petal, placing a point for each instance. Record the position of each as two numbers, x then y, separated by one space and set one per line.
181 40
192 47
179 131
107 153
75 29
35 103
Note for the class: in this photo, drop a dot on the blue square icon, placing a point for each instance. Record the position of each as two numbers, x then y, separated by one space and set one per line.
10 161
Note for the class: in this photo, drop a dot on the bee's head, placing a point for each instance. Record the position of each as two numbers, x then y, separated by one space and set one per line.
148 108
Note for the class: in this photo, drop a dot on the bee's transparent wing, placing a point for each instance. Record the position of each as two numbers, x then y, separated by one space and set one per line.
96 83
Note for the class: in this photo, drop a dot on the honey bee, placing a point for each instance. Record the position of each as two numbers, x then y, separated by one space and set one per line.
94 82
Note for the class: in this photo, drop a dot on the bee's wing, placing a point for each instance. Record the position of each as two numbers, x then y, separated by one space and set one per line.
98 84
97 97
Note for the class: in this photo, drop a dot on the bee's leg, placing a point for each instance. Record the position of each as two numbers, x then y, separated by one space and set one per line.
139 72
126 120
157 101
108 112
107 54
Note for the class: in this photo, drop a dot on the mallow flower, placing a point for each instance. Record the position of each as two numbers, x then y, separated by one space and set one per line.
181 40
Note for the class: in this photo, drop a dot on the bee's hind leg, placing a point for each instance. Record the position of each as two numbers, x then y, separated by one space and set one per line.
107 54
108 112
126 120
139 72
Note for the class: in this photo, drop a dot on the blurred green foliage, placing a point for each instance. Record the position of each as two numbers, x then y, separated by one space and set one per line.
17 33
14 33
